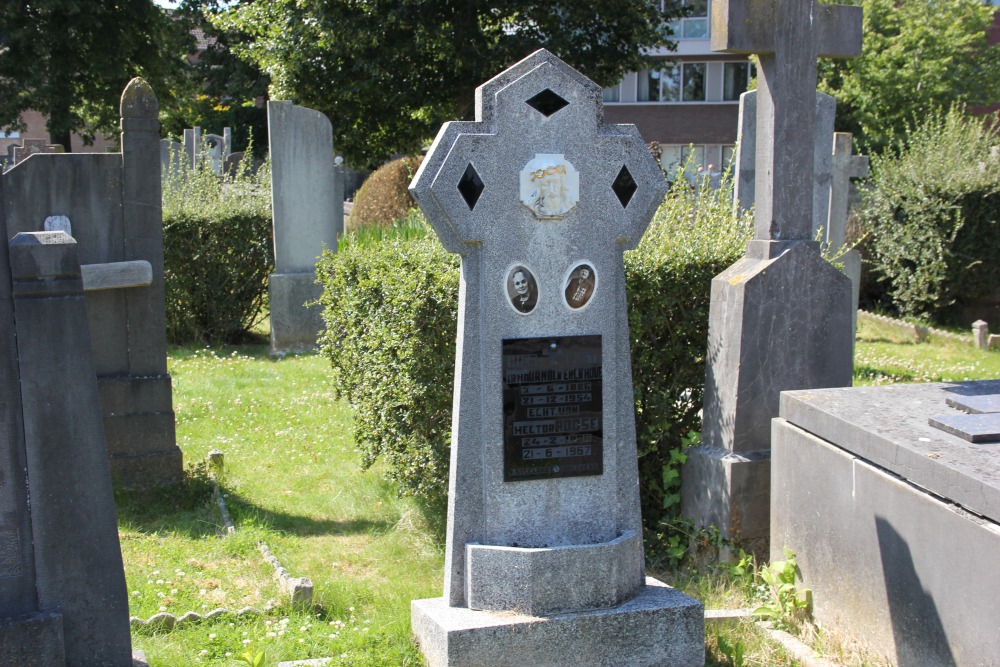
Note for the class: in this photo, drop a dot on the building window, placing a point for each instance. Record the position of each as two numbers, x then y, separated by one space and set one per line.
694 82
681 82
682 161
613 94
728 158
735 79
694 26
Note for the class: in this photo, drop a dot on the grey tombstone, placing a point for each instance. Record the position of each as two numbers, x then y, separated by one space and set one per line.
113 202
867 491
171 158
544 560
192 145
31 147
308 214
844 167
746 154
780 317
216 151
64 600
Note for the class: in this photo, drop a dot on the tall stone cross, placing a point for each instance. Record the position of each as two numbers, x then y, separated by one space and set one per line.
541 198
787 36
845 167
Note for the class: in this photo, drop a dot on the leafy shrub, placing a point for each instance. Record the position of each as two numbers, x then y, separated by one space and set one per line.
391 313
384 196
217 253
933 212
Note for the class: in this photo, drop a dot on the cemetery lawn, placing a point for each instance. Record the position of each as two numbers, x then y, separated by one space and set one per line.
292 480
883 355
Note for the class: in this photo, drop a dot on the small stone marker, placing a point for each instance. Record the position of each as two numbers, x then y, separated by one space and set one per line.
58 223
780 318
976 404
974 428
544 560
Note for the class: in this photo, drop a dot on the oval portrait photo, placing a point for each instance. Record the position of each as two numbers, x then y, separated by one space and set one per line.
522 290
581 283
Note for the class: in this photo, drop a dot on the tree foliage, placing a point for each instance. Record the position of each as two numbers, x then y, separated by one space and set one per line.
918 56
221 90
389 72
71 59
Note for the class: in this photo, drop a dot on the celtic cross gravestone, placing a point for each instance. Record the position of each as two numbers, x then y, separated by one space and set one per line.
780 318
544 558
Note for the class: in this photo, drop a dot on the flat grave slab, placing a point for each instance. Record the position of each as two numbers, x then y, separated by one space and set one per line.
895 523
889 426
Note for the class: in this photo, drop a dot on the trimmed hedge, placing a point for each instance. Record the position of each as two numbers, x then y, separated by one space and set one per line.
933 213
217 253
385 196
391 316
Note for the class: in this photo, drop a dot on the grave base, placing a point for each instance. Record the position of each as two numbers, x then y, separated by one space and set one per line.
294 327
660 626
730 490
140 432
35 640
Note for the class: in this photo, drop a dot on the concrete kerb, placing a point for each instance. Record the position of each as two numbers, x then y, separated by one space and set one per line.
299 589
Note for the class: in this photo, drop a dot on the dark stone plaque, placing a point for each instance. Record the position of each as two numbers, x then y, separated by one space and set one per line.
552 408
974 428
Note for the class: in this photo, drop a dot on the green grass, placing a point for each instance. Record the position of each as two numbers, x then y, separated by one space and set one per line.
883 355
292 480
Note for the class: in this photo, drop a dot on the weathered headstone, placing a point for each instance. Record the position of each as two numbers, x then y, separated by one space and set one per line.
192 145
63 598
746 155
308 213
112 201
780 318
844 167
544 560
31 147
172 157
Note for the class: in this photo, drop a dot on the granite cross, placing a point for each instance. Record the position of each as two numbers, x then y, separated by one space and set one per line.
787 36
845 167
540 198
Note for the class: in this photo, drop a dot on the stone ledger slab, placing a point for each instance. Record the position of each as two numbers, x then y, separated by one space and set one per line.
660 626
894 522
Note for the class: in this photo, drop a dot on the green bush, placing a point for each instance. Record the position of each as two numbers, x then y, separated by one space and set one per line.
391 313
384 196
933 213
217 253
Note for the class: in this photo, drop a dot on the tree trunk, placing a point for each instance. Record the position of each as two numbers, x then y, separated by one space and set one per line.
62 138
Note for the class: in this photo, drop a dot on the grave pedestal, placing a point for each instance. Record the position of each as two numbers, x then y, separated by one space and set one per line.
294 326
659 626
895 524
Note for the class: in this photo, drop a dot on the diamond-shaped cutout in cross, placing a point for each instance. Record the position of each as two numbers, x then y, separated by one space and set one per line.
471 186
624 186
546 102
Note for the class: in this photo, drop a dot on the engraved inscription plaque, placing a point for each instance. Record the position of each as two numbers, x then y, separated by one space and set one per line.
552 408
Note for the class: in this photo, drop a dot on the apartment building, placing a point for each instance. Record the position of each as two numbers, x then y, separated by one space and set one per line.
691 102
